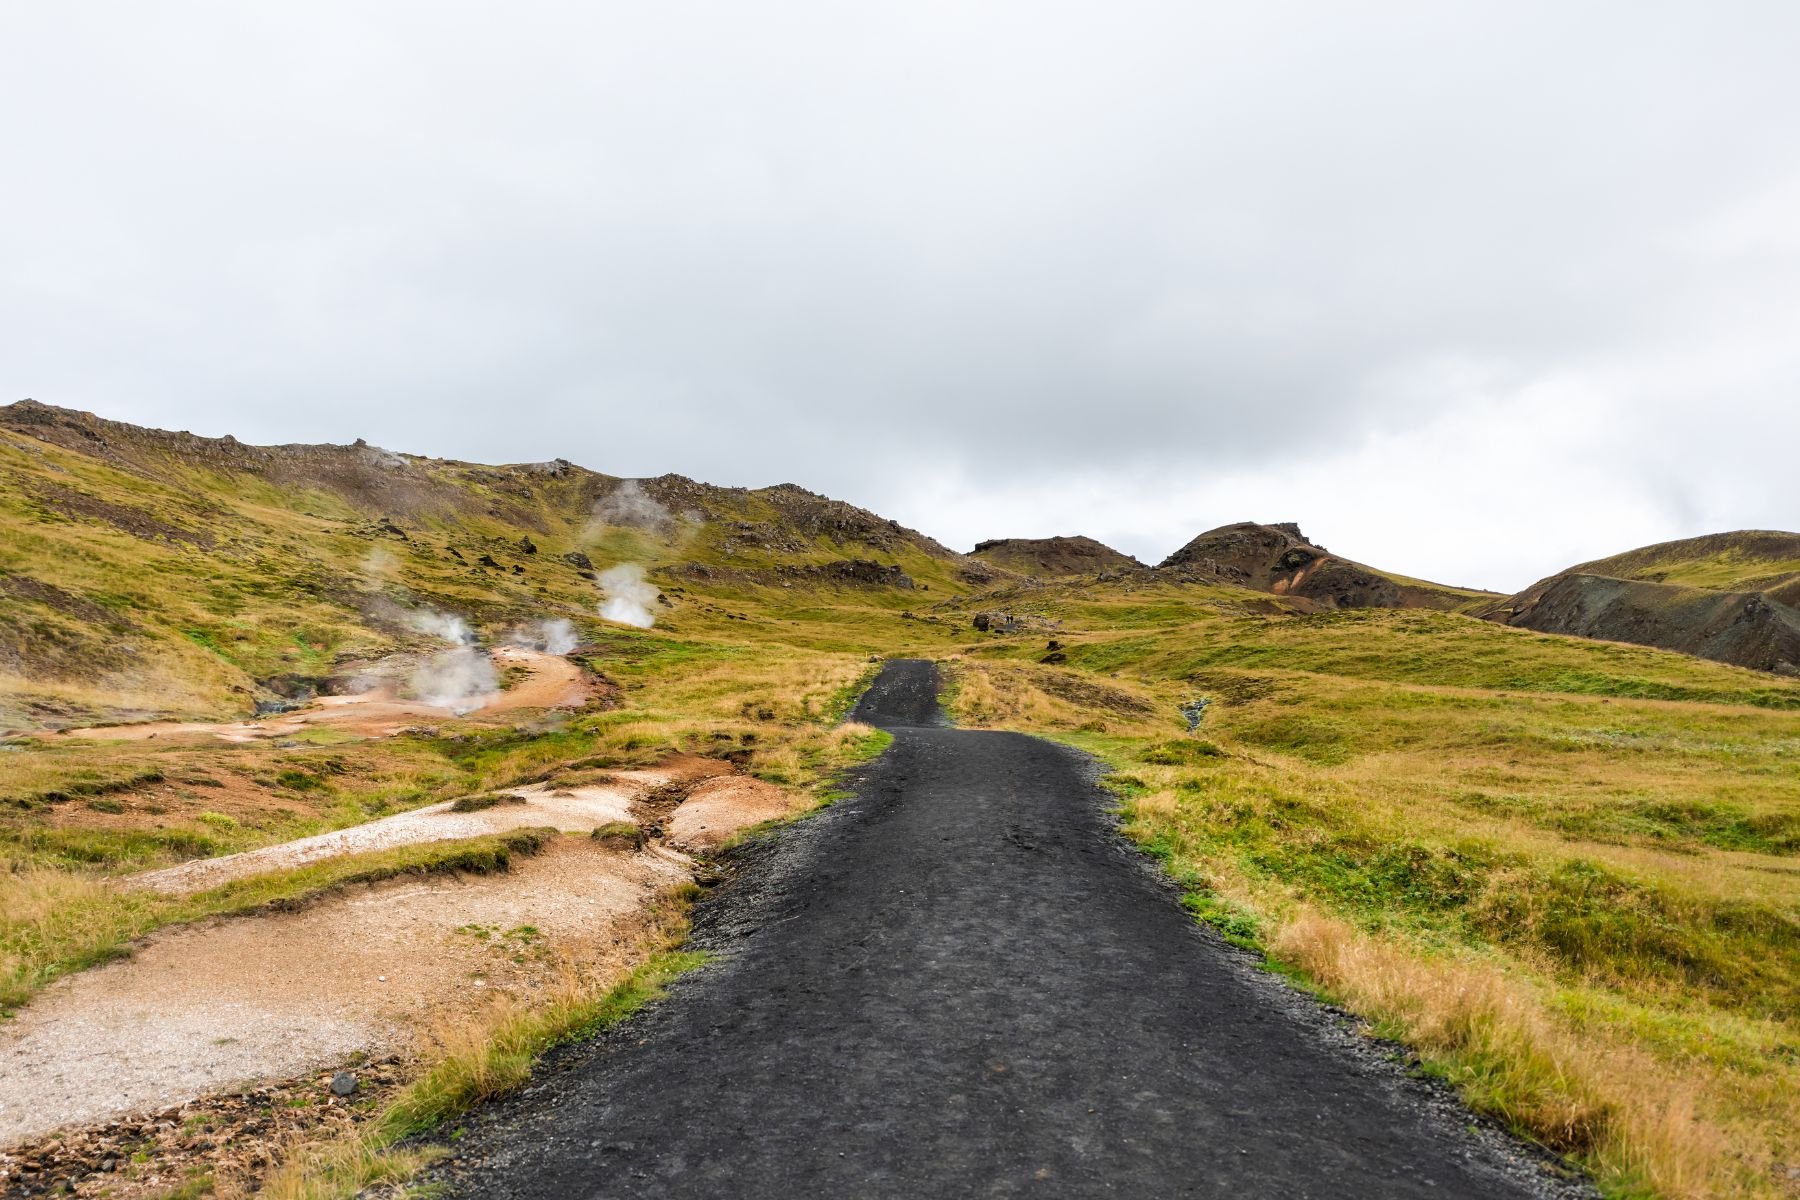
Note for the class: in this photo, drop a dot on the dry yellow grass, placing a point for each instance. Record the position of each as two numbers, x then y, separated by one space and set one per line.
1494 1036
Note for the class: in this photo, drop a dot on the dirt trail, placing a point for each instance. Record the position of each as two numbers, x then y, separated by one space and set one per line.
551 682
963 982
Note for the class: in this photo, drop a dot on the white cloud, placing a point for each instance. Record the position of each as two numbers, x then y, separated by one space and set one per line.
1170 258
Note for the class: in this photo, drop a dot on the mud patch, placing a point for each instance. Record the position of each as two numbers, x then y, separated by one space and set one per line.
716 809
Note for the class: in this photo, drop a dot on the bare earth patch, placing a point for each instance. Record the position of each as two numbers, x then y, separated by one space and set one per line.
221 1005
717 808
575 809
236 1006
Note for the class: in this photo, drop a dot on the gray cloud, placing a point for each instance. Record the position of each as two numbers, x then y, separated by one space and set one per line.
960 263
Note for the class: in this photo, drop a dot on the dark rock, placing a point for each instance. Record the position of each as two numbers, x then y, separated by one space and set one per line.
343 1083
527 546
576 558
487 560
1054 657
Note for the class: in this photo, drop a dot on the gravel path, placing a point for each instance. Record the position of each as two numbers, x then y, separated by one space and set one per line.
962 982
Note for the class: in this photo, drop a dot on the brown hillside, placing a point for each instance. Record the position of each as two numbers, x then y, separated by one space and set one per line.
1053 557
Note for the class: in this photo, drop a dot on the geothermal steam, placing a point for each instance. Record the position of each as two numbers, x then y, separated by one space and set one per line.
628 597
550 636
631 506
461 678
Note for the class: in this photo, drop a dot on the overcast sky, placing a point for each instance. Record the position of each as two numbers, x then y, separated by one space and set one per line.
1471 291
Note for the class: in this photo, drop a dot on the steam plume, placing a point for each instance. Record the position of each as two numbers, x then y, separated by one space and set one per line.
461 678
551 636
630 505
452 629
628 597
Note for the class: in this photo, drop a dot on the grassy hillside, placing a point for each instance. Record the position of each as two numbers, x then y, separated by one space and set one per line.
146 573
1731 597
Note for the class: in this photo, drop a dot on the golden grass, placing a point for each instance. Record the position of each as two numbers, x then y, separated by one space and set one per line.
1627 1115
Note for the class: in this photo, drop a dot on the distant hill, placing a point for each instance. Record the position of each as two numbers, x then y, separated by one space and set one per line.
1726 596
1053 557
1279 559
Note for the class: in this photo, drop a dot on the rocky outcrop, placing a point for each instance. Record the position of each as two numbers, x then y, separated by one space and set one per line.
782 519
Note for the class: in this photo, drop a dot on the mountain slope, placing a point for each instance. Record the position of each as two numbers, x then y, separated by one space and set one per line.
1726 596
